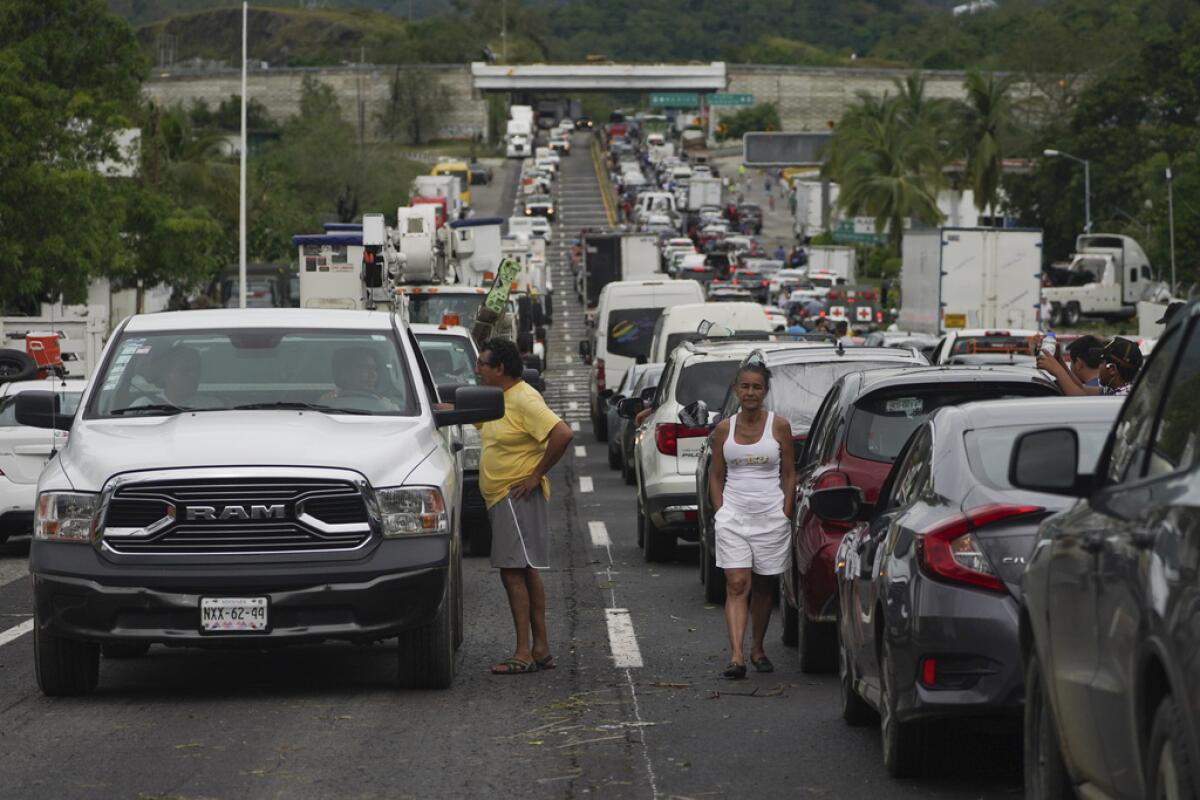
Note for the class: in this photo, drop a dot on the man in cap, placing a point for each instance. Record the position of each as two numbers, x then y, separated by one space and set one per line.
1120 361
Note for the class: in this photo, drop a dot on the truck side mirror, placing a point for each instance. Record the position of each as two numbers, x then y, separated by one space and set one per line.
42 410
472 404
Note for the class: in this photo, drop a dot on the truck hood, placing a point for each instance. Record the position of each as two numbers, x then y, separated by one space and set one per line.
383 449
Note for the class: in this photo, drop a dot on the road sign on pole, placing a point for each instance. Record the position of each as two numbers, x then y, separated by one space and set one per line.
721 99
674 99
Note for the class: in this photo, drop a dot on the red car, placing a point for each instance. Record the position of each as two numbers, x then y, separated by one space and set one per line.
864 421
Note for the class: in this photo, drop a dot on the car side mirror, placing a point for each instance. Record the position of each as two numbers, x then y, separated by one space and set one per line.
42 410
694 414
648 393
472 404
1048 461
630 407
447 392
840 504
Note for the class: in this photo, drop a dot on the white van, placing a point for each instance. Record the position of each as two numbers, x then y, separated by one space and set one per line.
680 323
626 314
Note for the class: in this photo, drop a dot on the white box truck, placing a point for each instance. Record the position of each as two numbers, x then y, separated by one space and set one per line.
970 278
816 211
837 260
703 192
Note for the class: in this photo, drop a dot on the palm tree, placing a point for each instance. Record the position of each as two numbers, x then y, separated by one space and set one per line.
986 121
886 168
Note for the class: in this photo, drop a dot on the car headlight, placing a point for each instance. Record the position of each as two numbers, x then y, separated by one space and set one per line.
412 511
65 516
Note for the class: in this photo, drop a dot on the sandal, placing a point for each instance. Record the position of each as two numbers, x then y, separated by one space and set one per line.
514 666
763 664
546 662
734 671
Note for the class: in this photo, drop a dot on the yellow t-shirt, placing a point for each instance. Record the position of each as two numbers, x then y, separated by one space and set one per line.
514 444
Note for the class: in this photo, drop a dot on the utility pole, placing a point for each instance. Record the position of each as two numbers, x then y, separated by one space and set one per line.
1171 224
242 172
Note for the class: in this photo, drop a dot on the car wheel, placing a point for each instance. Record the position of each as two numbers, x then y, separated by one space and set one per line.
1045 773
627 472
714 577
600 428
656 545
855 711
121 650
64 666
614 454
426 656
16 365
1055 315
1170 773
817 643
1071 314
904 743
790 632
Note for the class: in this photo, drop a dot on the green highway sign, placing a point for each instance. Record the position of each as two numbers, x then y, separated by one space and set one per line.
675 99
720 99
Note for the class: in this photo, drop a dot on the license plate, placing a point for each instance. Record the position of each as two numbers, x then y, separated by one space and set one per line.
233 614
690 447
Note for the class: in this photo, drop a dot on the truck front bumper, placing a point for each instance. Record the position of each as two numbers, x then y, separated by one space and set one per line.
80 595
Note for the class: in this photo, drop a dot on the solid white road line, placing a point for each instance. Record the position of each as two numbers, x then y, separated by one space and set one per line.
16 632
622 639
585 484
599 534
580 451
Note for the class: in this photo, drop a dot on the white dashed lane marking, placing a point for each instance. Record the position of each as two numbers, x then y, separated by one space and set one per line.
580 451
622 639
585 483
575 426
599 534
16 632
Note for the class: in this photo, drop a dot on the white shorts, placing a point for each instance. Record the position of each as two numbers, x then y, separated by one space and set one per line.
761 542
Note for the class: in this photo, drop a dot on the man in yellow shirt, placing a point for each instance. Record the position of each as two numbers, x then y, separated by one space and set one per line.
518 450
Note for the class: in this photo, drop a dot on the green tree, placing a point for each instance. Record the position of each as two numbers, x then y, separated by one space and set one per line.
416 101
69 73
986 123
762 117
886 169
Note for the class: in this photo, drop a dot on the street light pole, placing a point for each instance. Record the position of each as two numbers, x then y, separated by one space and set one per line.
242 171
1171 225
1087 185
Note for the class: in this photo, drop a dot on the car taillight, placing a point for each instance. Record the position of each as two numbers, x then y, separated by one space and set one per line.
879 316
834 295
668 434
600 376
948 551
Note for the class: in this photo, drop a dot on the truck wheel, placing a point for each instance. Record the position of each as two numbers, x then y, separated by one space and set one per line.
426 657
16 365
121 650
64 666
1055 315
1071 314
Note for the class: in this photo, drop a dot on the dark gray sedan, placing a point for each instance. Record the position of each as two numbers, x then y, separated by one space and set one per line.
929 583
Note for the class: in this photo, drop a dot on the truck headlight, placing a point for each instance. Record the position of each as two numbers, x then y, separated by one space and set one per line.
471 447
412 511
65 516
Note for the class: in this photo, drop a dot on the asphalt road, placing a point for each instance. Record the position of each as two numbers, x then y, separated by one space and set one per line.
639 715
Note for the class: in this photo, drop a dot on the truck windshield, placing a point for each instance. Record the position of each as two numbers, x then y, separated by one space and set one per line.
170 372
433 307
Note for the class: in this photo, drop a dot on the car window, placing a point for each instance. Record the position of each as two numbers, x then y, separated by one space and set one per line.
818 446
707 381
630 331
798 389
1131 434
881 423
451 359
1178 436
911 476
989 450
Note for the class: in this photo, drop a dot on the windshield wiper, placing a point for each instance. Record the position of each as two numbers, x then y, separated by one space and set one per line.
299 404
160 407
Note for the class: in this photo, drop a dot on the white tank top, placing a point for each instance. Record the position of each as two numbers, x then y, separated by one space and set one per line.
752 471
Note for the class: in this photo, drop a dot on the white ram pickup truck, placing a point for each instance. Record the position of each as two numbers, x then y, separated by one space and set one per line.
252 478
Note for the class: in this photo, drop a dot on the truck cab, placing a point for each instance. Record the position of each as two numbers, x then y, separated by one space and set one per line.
1108 275
252 478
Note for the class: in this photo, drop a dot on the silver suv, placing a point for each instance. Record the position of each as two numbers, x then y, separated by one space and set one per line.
253 477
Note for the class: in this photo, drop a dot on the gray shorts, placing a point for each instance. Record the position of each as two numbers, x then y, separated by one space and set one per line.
521 532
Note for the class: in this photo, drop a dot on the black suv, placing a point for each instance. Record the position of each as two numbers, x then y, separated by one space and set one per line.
1110 623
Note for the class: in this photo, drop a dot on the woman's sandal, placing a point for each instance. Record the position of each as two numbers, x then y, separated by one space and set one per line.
514 666
734 671
546 662
763 665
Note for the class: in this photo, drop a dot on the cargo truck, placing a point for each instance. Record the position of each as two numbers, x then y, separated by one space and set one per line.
954 278
703 191
609 257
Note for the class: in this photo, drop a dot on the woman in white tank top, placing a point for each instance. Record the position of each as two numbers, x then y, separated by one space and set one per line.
752 486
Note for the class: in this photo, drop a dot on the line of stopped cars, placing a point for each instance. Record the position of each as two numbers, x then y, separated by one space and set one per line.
968 546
